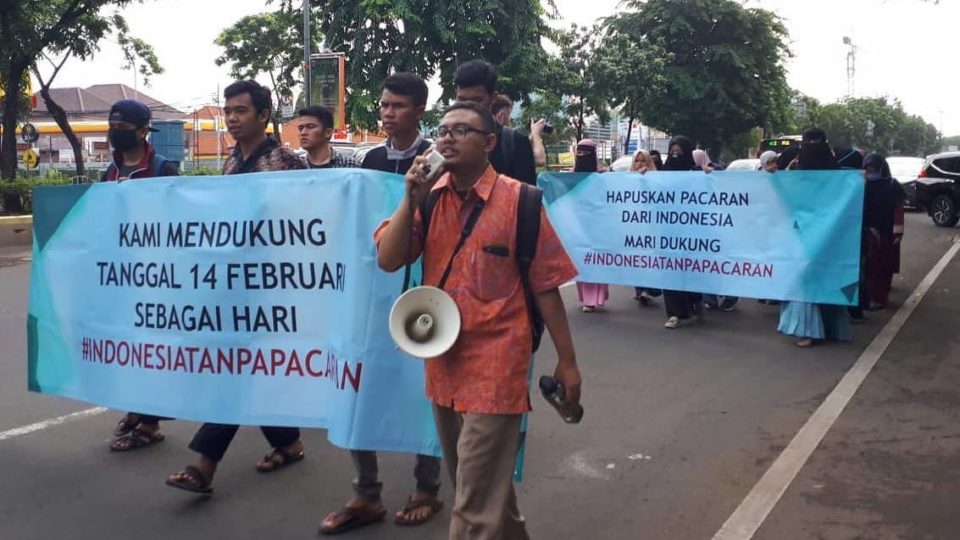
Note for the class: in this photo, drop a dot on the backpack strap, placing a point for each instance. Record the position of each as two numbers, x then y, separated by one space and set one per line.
426 210
156 164
528 232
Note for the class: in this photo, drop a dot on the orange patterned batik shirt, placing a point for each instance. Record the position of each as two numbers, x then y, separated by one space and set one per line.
486 369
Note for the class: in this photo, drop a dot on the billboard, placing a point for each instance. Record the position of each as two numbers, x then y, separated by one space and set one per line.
328 85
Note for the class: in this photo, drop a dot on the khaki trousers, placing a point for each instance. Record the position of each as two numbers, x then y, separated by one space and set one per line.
480 450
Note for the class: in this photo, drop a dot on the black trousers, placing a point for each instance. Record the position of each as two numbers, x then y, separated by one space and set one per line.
150 419
679 304
212 440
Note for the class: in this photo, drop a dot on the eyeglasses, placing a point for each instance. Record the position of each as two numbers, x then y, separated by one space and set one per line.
458 132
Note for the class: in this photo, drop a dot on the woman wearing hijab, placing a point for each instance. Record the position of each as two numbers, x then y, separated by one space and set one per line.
848 158
882 196
702 160
787 160
814 322
768 161
643 162
592 295
852 159
657 160
681 306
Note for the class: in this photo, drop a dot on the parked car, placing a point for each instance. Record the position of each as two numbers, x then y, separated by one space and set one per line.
938 188
906 170
749 164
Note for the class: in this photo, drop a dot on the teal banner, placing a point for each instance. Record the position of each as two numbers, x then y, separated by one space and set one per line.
791 235
251 299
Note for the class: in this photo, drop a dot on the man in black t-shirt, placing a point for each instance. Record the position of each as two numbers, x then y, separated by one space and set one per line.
476 81
403 101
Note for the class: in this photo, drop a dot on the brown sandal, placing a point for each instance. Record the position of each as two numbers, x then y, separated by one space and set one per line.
433 503
125 426
135 440
356 518
192 481
277 459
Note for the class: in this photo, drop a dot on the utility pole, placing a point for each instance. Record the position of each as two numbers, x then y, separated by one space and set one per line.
851 64
306 53
216 128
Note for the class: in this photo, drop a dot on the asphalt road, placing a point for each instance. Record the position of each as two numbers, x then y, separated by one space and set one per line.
679 427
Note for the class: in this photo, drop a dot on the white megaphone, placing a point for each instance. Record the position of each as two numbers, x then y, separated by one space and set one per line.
424 322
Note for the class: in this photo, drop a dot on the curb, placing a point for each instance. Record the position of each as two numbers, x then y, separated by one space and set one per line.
16 231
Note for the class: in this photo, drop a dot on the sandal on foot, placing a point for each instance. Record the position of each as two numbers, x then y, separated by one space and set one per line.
135 440
125 426
354 519
433 503
277 459
192 481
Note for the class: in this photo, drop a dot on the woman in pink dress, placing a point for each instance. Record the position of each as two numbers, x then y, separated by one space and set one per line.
592 295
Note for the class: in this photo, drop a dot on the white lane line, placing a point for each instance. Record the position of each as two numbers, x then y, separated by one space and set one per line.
44 424
753 511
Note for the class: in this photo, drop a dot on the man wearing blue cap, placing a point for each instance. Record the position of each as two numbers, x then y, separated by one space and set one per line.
133 156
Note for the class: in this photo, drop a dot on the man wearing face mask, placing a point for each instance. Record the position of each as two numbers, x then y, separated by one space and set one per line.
133 156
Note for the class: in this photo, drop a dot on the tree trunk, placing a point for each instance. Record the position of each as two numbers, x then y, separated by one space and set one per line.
11 113
60 116
626 144
276 130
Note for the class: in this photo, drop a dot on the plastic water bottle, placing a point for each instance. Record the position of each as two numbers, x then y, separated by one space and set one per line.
554 393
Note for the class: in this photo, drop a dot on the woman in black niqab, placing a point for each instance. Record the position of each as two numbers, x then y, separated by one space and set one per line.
681 306
815 152
814 322
882 195
680 155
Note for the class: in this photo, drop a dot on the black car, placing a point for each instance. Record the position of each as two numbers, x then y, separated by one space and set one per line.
938 188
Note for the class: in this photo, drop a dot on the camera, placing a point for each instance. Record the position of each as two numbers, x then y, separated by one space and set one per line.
547 129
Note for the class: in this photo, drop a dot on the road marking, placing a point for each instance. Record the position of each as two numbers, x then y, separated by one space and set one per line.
44 424
753 511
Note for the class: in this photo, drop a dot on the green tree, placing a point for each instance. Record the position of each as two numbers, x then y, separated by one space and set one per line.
577 77
270 44
725 74
430 38
28 28
953 140
631 68
878 125
82 44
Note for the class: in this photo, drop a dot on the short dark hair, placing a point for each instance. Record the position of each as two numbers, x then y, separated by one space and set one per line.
407 84
476 73
322 114
502 102
486 117
259 94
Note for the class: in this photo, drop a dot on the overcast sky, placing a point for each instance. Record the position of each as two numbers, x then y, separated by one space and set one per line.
905 49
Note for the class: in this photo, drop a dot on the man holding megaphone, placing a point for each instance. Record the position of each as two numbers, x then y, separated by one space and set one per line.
479 386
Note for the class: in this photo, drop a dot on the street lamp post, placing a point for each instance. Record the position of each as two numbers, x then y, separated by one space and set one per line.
306 53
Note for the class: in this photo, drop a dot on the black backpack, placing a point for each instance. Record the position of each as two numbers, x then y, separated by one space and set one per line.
528 231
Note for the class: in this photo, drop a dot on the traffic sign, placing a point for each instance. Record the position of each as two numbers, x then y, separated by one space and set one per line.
29 133
30 158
